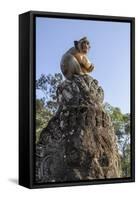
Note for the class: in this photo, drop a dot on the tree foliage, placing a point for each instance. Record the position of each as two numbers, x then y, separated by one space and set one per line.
46 103
43 116
121 123
48 85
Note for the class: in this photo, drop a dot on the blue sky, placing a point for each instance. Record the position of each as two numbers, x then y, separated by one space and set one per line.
110 52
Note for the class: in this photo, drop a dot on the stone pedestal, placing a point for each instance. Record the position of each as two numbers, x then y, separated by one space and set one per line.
79 142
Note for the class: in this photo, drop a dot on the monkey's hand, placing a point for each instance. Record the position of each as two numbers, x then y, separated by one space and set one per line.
91 68
86 69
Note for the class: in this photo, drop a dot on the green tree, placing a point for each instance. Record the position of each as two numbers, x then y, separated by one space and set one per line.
48 86
46 105
43 116
121 123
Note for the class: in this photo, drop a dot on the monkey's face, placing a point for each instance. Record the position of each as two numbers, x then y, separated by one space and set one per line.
85 46
82 45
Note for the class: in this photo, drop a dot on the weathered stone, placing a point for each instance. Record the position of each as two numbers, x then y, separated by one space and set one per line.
79 142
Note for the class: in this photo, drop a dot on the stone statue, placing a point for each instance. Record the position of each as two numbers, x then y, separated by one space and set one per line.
75 60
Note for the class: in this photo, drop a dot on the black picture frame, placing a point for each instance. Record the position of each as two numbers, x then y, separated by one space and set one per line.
27 96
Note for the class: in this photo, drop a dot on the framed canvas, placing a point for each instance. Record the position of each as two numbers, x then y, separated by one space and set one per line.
76 99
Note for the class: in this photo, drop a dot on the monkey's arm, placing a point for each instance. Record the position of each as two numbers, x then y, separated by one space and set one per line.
87 69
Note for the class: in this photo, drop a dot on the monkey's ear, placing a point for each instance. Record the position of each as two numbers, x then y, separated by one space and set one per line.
76 44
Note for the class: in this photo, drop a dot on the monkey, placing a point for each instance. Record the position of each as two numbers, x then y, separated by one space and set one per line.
75 60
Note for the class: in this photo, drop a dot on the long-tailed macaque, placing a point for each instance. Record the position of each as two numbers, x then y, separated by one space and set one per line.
75 60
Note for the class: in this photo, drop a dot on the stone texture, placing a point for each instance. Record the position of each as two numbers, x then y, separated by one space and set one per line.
79 142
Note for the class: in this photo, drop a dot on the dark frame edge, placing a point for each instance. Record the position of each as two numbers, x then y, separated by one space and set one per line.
84 183
25 160
132 80
81 15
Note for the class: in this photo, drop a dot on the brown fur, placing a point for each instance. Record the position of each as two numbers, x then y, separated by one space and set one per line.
75 61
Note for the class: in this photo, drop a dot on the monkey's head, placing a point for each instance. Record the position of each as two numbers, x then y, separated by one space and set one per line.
82 45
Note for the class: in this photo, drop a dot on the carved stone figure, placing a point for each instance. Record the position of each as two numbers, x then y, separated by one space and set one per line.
75 60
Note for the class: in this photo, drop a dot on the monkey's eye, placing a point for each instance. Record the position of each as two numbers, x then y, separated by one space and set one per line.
86 42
